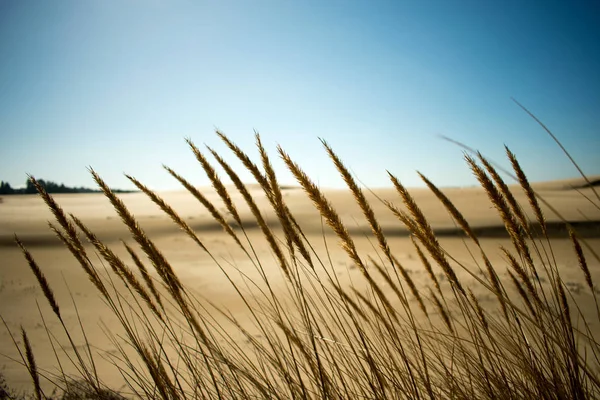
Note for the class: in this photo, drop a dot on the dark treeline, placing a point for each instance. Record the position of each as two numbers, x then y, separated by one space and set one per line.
51 187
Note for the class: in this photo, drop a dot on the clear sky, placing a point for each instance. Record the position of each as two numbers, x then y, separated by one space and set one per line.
118 85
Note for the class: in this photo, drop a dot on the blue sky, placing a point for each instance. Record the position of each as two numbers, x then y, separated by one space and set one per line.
118 85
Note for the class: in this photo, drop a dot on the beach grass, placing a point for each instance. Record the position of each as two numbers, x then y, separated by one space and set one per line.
308 334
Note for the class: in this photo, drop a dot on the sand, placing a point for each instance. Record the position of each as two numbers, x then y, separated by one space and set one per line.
27 216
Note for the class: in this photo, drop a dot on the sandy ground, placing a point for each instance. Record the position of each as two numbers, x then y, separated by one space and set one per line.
28 217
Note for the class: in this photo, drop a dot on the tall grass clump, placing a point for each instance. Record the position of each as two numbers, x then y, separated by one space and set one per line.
313 336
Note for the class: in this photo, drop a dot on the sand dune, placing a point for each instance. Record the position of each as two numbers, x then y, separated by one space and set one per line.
27 216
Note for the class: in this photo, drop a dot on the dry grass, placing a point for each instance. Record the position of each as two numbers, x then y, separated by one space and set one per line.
325 339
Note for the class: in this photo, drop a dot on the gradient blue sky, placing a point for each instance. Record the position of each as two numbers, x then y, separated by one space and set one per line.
118 85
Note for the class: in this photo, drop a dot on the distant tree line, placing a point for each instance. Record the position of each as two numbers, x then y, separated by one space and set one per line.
51 187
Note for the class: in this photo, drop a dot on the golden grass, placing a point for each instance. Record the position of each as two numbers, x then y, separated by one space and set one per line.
325 339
